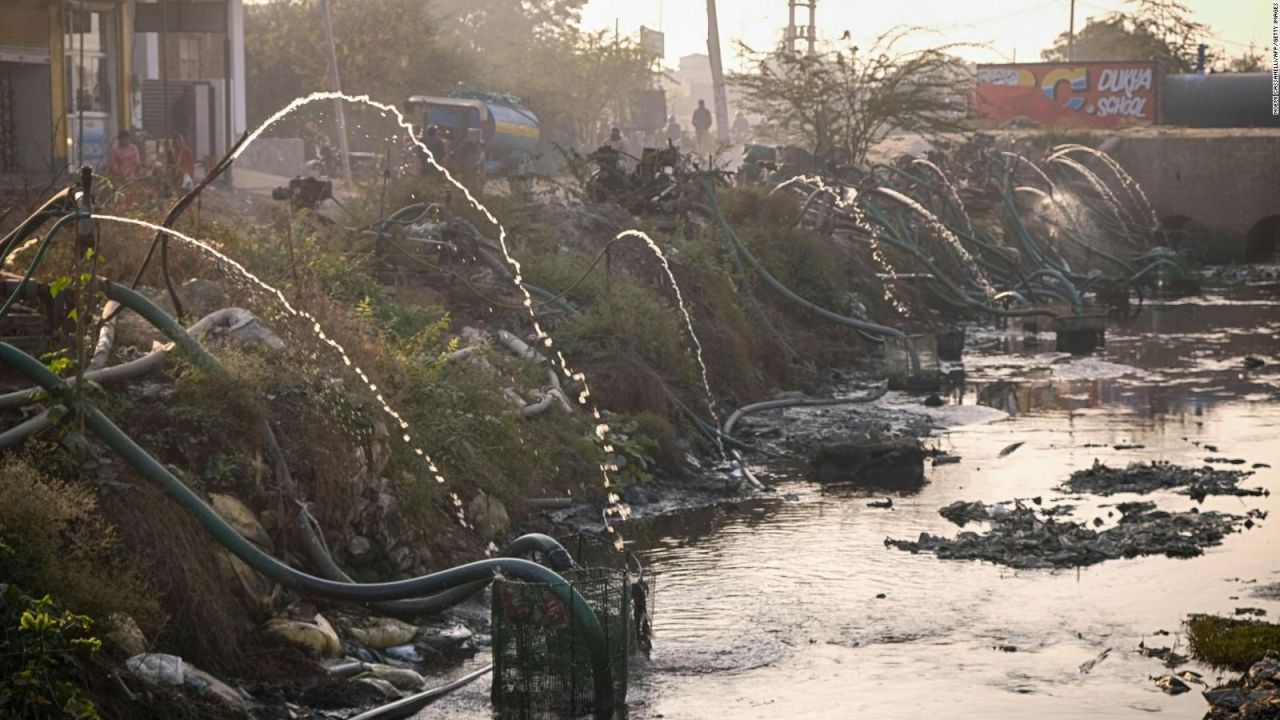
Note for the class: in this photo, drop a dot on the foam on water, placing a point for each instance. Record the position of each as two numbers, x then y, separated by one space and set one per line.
1093 369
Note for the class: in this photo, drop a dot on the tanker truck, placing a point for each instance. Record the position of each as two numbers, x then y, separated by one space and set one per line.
510 130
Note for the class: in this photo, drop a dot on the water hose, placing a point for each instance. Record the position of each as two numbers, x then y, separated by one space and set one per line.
955 295
412 704
1076 300
587 622
31 224
35 261
316 551
19 433
800 402
786 292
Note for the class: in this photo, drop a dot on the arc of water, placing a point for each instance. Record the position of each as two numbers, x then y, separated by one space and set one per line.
872 232
315 328
1056 205
1113 204
1020 160
952 194
615 507
1131 186
952 242
688 321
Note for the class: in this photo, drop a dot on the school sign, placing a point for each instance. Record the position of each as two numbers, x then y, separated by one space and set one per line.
1080 94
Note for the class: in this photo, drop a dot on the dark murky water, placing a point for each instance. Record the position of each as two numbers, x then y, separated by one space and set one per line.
768 608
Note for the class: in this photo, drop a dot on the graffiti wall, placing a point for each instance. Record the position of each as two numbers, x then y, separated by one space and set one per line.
1082 94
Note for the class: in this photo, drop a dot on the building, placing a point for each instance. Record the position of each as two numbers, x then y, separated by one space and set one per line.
64 78
73 74
189 72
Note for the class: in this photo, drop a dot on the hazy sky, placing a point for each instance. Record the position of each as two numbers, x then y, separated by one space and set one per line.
1026 26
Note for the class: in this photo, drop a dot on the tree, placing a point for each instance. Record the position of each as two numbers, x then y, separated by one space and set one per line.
844 101
388 49
498 25
1160 30
578 83
1251 61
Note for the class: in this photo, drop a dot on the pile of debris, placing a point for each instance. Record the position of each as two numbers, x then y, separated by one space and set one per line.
1020 538
961 512
1255 698
1144 478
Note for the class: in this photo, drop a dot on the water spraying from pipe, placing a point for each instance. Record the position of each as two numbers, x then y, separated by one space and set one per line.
952 194
688 321
1020 160
849 204
615 508
1108 197
951 241
1130 185
315 328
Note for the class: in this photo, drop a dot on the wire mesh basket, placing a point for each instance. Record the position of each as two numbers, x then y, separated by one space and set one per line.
592 550
541 665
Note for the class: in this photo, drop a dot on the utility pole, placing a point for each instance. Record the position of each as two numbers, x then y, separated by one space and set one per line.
790 37
337 87
813 26
717 74
1071 34
794 33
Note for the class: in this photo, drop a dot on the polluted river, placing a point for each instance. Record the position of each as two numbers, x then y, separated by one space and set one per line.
1013 463
790 604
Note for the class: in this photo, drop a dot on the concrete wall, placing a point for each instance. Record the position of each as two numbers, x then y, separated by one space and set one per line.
1226 180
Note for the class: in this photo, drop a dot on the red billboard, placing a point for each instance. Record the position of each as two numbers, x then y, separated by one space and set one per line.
1080 94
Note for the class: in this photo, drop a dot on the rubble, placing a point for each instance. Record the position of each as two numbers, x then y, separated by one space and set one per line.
1020 538
892 464
1144 478
162 669
1166 655
1257 697
961 512
1172 685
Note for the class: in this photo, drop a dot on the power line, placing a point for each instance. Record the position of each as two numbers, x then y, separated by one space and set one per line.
1002 16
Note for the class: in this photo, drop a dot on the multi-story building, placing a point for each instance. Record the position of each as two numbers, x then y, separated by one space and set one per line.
74 73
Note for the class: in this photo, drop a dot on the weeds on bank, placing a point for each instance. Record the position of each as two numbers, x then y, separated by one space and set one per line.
1231 643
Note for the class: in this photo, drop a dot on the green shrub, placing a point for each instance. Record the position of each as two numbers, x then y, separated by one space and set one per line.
40 647
57 542
1231 643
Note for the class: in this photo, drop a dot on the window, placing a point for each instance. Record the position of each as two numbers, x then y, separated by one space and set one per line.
189 57
88 75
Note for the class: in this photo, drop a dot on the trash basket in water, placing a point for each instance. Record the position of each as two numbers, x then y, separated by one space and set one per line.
541 664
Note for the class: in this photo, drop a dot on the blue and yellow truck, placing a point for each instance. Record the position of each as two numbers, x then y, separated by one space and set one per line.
510 130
